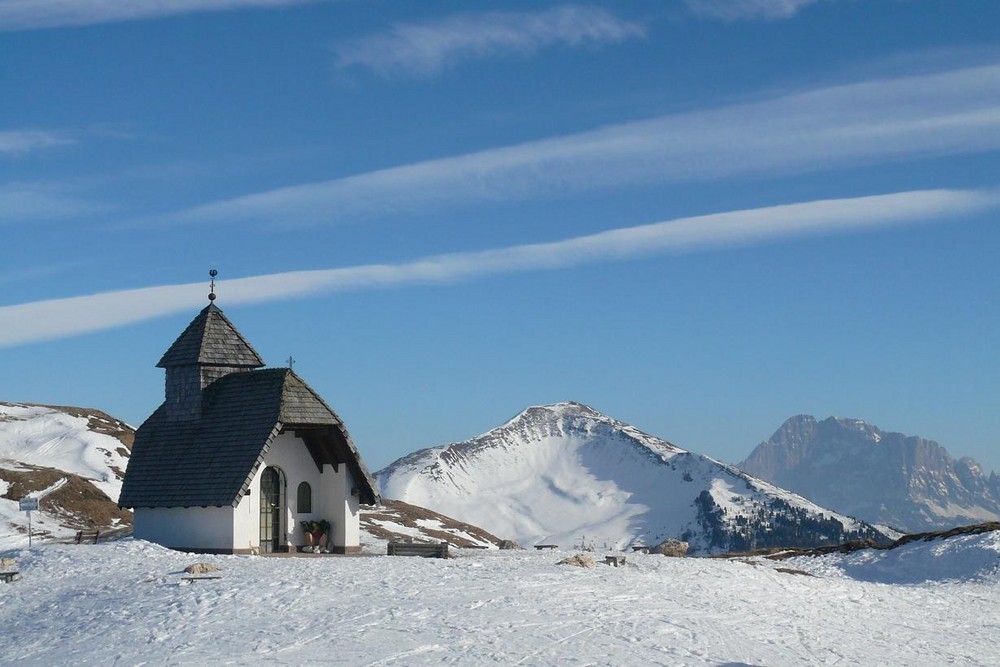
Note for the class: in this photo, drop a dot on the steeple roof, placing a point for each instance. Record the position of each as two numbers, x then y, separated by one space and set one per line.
211 340
211 461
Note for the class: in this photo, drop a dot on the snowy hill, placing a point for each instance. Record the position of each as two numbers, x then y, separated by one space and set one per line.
966 553
889 478
566 474
72 459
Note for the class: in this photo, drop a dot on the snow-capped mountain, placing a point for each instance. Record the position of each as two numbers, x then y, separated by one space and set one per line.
569 475
72 459
888 478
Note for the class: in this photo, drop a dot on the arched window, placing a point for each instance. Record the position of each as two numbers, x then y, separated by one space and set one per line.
304 501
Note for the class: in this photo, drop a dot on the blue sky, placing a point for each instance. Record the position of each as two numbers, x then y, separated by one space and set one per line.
701 217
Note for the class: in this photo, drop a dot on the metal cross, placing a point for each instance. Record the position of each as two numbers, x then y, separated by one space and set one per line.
211 294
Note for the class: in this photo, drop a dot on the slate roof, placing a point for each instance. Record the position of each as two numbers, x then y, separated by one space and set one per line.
210 461
211 340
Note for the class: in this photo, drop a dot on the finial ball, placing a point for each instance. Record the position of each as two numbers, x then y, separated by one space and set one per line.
213 273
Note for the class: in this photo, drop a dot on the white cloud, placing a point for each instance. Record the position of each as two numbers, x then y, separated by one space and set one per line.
36 271
735 10
428 48
21 202
24 141
33 14
843 126
60 318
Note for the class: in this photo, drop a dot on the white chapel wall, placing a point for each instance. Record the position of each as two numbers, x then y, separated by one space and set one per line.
246 519
340 507
186 527
289 454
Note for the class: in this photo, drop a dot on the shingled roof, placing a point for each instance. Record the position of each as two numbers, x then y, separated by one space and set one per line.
211 340
211 461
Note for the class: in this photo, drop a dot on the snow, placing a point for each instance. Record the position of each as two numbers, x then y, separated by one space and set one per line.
125 603
967 514
957 558
46 437
14 522
398 528
556 473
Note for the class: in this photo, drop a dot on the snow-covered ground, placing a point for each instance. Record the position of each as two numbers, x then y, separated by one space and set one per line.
125 603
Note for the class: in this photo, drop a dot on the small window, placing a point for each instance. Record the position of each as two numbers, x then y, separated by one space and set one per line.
304 504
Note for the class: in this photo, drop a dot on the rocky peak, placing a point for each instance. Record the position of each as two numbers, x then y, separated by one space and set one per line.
854 467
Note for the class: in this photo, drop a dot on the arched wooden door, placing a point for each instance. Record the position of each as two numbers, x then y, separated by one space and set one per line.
272 508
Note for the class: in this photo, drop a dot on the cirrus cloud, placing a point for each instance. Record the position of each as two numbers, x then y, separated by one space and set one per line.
37 14
844 126
25 141
744 10
62 318
429 48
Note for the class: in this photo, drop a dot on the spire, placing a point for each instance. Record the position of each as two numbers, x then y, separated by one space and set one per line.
211 340
208 349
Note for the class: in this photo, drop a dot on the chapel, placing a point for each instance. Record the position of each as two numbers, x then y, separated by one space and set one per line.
238 454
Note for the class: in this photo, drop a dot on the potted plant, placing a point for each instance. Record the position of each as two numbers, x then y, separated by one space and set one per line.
322 534
309 528
316 534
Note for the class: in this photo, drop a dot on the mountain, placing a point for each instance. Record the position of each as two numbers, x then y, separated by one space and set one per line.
888 478
72 459
569 475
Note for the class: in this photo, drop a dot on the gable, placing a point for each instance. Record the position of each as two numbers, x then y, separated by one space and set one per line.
303 411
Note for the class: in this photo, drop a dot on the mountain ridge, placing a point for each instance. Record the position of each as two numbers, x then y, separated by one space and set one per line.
556 472
852 466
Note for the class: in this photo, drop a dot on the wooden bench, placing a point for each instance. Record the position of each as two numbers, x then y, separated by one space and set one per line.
423 549
614 560
10 576
539 547
89 536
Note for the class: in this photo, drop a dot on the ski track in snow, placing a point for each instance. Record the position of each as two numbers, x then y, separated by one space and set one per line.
125 603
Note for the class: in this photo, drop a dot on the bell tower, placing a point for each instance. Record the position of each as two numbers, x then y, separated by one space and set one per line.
209 348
